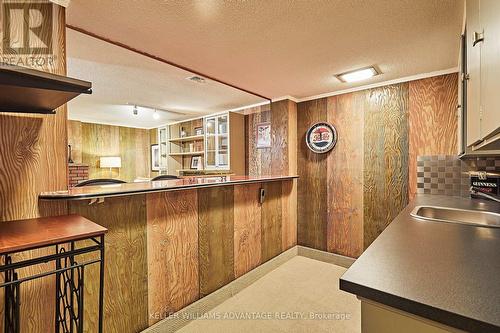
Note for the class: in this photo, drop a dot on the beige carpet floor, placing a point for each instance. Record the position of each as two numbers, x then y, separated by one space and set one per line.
301 295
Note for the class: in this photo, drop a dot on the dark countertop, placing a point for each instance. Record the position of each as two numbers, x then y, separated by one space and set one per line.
113 190
449 273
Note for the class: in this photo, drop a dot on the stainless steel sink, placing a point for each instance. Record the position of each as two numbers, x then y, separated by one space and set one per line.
452 215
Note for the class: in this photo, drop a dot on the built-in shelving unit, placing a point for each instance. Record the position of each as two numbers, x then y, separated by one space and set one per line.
217 141
186 143
25 90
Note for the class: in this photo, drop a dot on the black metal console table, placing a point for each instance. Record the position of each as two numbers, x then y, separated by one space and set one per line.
59 236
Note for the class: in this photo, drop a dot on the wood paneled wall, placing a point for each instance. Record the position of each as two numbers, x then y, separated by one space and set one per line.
289 214
280 158
153 140
247 228
126 272
271 221
135 153
348 196
216 237
91 141
75 140
173 273
258 160
32 160
432 124
385 174
312 180
345 193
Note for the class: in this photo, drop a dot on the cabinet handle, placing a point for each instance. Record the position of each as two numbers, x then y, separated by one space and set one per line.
478 38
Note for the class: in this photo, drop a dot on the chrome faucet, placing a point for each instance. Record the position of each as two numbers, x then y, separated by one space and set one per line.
475 192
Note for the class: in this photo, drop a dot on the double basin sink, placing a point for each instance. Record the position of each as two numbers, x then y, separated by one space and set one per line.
461 216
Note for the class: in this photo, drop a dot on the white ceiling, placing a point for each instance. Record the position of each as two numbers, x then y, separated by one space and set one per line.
282 47
120 77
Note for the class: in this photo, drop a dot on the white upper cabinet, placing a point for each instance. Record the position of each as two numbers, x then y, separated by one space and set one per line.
217 142
225 142
473 73
490 67
483 70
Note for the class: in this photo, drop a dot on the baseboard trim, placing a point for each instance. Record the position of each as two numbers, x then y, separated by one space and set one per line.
327 257
207 303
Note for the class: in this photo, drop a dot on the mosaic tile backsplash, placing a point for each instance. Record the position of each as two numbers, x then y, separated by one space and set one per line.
448 175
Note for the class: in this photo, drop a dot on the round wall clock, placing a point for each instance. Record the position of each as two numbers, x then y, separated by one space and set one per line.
321 137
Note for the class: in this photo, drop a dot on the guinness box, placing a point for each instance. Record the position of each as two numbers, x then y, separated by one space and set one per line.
486 183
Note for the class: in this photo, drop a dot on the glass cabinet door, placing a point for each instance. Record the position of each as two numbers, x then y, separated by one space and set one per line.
210 143
163 141
217 142
222 141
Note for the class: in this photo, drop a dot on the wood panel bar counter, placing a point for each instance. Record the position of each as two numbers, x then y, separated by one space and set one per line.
172 242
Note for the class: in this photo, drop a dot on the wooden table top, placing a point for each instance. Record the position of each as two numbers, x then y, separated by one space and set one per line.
113 190
28 234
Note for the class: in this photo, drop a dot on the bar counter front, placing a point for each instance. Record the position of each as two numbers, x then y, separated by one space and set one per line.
172 242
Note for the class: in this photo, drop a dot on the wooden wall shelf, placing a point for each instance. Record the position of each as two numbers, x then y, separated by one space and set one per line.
190 170
188 138
191 153
25 90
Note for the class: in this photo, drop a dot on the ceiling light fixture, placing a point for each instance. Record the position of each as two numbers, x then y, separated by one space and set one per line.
156 115
152 108
358 74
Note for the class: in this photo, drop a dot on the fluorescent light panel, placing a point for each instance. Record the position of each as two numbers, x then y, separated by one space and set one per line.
357 75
